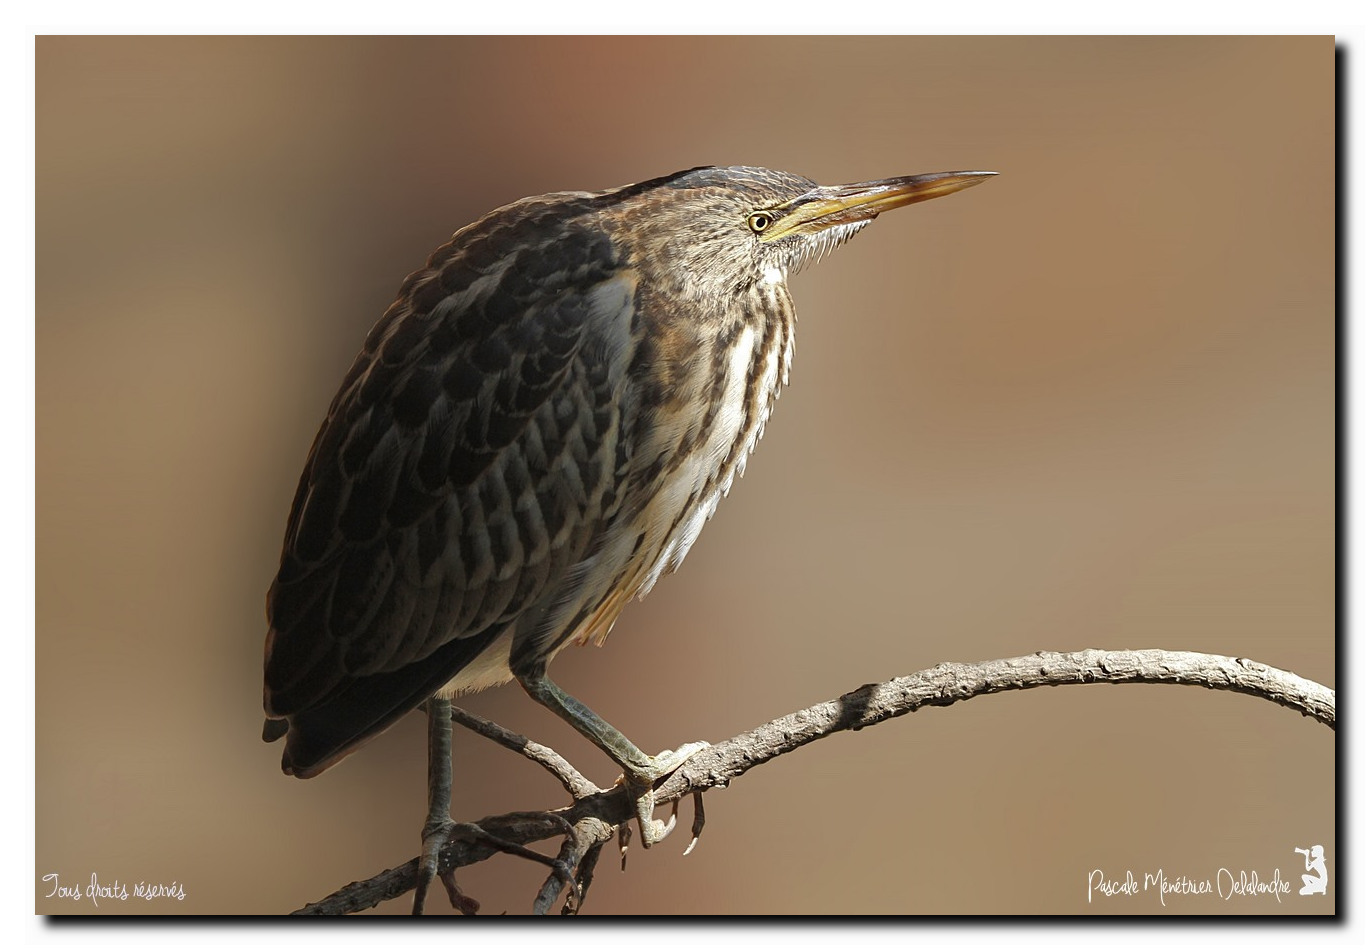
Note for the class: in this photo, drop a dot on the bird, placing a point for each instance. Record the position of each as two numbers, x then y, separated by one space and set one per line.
534 433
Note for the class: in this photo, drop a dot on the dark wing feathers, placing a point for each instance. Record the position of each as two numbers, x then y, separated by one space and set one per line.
323 734
436 504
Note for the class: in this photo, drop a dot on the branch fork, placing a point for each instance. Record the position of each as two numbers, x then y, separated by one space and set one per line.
597 816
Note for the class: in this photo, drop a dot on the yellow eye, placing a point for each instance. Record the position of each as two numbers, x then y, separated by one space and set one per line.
759 221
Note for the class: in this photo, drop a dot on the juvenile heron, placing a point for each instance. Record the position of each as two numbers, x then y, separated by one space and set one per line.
533 434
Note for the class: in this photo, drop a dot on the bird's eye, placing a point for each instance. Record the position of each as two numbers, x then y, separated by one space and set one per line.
759 221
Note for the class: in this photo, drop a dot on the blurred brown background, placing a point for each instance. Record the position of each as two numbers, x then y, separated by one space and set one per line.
1089 404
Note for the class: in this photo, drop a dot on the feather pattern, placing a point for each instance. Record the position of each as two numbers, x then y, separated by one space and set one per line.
535 431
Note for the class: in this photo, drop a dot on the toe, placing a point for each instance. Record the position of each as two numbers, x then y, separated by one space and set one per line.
671 759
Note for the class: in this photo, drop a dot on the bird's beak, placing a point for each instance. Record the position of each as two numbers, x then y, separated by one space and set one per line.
828 206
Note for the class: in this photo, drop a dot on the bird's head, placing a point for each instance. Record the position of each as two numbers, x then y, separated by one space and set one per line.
718 229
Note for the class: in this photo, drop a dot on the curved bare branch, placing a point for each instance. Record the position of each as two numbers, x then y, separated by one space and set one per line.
594 817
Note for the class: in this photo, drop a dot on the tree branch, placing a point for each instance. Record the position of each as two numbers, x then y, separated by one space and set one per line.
576 784
594 818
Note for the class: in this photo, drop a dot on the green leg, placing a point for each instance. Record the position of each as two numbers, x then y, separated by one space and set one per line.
640 771
439 824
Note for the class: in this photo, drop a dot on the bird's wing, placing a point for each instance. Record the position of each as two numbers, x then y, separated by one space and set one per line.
467 462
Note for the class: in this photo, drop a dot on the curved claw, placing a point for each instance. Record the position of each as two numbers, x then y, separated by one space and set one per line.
697 828
653 830
466 906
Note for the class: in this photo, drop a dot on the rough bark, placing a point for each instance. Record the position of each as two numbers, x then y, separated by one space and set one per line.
597 816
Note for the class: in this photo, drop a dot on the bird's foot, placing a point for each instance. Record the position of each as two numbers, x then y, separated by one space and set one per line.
435 837
642 780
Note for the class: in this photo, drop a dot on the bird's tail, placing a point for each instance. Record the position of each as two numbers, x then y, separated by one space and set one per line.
324 734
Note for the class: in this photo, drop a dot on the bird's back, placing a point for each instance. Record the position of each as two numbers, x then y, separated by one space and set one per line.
463 467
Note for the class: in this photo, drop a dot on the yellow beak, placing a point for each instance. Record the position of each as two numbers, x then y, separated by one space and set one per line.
828 206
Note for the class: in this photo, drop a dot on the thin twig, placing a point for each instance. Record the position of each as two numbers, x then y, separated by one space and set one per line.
588 835
942 685
569 860
578 785
585 874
